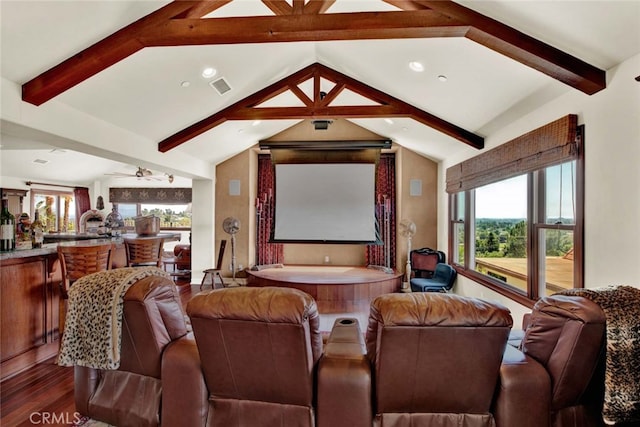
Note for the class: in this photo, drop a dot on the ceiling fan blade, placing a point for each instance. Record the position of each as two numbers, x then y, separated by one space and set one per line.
120 174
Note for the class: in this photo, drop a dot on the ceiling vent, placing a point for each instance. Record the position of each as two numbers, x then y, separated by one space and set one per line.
221 86
41 161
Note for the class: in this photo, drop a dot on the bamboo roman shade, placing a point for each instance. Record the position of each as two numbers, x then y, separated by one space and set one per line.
548 145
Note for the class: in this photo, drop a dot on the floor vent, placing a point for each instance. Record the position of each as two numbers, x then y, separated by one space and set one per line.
220 85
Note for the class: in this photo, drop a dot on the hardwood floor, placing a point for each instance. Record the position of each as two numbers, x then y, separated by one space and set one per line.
43 395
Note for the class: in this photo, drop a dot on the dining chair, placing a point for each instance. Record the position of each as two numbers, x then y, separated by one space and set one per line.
77 262
143 252
215 272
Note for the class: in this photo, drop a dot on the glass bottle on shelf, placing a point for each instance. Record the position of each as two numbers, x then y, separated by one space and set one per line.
23 232
37 231
7 228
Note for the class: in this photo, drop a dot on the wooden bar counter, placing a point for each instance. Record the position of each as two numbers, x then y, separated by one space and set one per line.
29 301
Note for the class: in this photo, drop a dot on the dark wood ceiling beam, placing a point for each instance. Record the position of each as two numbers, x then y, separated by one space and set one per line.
332 95
104 53
518 46
221 116
409 110
301 95
298 7
298 28
389 106
337 112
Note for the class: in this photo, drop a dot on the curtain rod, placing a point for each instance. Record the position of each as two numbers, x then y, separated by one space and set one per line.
52 185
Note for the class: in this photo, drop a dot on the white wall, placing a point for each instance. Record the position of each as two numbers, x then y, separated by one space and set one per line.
612 181
202 227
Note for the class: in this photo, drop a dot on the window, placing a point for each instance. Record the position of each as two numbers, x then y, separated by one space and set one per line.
56 210
500 230
516 220
172 216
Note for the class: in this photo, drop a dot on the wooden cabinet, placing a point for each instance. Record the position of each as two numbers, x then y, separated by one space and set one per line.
29 302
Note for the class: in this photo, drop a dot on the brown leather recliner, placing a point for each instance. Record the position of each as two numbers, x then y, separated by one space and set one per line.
254 362
436 360
130 396
565 334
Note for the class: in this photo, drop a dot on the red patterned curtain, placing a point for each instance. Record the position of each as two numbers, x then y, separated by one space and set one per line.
266 253
83 203
385 254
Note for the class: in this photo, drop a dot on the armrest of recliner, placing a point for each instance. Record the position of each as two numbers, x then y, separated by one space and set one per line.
85 382
524 395
344 378
184 392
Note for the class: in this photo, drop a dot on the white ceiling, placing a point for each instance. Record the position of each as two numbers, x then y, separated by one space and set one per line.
142 95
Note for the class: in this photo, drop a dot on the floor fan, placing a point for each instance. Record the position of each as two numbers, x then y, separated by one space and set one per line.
231 226
407 230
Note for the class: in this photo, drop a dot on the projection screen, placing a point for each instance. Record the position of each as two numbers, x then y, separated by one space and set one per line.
329 202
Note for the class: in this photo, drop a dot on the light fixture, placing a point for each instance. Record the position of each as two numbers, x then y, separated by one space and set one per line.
185 83
416 66
209 72
389 121
321 124
256 122
170 178
442 78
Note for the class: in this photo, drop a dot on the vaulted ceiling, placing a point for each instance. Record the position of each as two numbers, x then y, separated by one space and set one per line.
133 64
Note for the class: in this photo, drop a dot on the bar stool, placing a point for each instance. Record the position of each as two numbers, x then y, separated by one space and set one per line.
77 262
143 252
178 264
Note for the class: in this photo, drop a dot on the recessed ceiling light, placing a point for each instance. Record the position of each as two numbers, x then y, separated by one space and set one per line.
185 83
209 72
256 122
389 121
41 161
416 66
442 78
58 151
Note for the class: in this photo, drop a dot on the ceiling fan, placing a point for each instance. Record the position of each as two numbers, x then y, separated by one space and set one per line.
143 173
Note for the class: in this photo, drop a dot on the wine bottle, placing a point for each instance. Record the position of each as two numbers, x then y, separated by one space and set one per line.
37 231
7 228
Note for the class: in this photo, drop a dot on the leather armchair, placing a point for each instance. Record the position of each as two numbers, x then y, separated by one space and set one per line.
565 334
130 396
255 360
436 360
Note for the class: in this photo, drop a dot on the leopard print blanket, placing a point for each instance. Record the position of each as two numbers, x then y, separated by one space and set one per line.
93 329
621 306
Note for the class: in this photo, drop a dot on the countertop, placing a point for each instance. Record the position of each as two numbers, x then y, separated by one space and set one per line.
50 248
